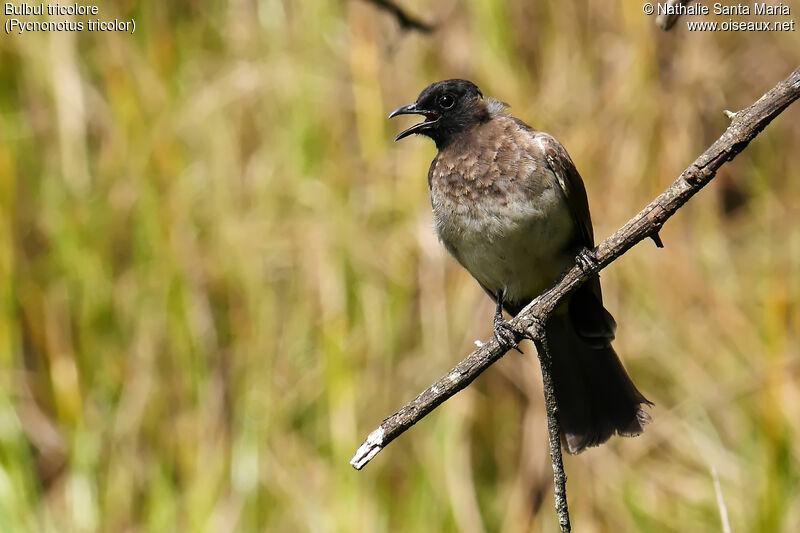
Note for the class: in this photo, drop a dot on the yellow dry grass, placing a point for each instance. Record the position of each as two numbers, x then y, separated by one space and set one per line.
217 273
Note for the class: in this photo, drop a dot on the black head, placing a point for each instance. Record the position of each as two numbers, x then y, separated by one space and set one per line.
450 107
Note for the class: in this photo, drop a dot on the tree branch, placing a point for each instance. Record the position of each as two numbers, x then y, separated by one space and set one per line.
744 127
553 432
406 21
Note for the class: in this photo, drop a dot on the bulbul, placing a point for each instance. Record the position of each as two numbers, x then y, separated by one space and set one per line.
511 208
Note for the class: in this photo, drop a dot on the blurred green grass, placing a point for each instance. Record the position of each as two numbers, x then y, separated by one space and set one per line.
217 273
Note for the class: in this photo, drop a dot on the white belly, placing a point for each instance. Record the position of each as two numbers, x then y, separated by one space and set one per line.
521 250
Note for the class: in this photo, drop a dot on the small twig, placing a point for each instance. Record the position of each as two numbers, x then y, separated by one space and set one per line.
657 239
664 21
406 21
553 432
745 126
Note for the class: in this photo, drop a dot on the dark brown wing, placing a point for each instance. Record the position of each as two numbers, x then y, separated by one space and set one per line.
571 183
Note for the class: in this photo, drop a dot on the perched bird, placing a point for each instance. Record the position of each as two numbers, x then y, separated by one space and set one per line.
511 208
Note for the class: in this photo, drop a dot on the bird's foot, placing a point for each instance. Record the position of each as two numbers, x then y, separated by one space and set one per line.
586 259
507 335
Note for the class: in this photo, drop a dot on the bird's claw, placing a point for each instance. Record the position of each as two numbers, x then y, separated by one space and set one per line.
507 335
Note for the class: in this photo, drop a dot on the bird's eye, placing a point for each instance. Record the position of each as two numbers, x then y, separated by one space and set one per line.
446 101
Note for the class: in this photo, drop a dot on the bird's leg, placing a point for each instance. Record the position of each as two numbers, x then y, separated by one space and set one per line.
506 334
586 259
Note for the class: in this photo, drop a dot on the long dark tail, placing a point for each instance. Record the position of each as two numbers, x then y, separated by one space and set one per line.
595 396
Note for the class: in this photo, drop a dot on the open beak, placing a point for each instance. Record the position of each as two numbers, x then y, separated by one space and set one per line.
431 118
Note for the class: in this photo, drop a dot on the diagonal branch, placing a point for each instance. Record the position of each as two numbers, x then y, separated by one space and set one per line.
744 127
406 21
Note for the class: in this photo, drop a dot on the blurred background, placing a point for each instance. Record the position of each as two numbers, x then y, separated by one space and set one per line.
218 273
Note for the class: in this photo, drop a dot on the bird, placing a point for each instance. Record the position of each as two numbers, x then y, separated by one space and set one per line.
511 208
